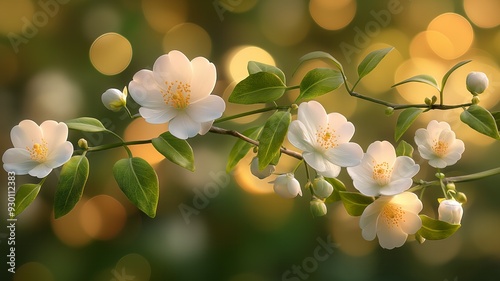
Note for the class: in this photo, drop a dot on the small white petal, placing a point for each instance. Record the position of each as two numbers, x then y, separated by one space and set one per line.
18 160
40 171
183 127
205 127
144 90
390 238
25 134
206 109
203 78
174 66
59 155
312 115
54 133
345 154
158 116
299 137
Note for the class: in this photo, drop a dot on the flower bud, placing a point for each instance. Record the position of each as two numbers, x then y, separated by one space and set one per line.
475 100
261 174
287 186
318 207
461 198
114 99
450 211
476 82
82 143
389 111
428 101
322 188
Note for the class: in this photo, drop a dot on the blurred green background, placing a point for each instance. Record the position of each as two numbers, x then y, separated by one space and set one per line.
58 57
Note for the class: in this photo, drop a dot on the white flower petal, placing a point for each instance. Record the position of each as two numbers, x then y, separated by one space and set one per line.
313 116
18 160
438 163
144 89
390 237
315 160
25 134
158 116
203 78
396 187
299 137
410 223
40 171
183 127
331 170
409 201
174 66
344 130
206 109
345 154
54 134
205 127
59 155
404 167
382 151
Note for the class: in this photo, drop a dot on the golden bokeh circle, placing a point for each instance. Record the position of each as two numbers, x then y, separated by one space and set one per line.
450 35
191 39
332 15
110 53
238 58
162 15
103 217
483 13
139 129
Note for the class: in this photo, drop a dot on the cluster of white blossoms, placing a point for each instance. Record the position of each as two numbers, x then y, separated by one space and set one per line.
325 142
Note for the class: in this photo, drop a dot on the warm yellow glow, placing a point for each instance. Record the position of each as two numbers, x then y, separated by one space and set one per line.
418 14
69 229
332 15
483 13
110 53
103 217
162 15
238 58
438 252
452 35
32 271
139 129
419 46
189 38
284 22
11 13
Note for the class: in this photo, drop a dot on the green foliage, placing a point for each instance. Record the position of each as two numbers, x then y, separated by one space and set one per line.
176 150
337 187
435 229
25 195
405 119
480 120
447 74
260 87
86 124
371 61
139 182
321 56
496 115
355 203
241 148
404 149
318 82
423 78
72 180
272 137
255 67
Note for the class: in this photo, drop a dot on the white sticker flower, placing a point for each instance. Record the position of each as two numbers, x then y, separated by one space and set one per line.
114 99
177 91
381 172
439 145
391 219
450 211
324 139
37 149
287 186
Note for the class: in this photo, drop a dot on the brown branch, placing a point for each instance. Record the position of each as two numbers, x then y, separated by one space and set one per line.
239 135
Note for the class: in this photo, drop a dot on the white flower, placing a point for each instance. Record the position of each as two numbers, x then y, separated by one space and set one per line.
324 139
476 82
177 91
391 219
287 186
114 99
439 145
261 174
450 211
381 172
37 149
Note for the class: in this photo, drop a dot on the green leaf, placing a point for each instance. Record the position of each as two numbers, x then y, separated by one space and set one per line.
447 74
241 148
139 182
176 150
435 229
423 78
496 115
86 124
321 56
72 180
405 119
318 82
260 87
480 120
404 149
337 187
25 195
355 203
272 137
255 67
371 61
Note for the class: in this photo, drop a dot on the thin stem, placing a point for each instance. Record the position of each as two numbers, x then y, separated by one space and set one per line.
239 135
293 87
475 176
115 145
265 109
124 146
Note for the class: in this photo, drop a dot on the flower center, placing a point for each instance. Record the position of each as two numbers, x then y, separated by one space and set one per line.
326 138
393 215
39 151
177 94
382 173
440 148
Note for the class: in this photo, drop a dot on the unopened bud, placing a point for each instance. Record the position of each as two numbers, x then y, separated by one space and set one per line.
440 176
475 100
434 99
318 207
460 197
287 186
450 211
114 99
322 188
476 82
261 174
82 143
450 186
389 111
428 101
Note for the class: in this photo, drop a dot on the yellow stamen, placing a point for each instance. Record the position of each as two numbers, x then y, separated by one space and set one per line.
326 138
440 148
392 215
382 173
39 151
177 94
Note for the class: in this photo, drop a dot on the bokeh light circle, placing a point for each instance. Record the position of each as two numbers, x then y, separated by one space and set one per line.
33 271
11 13
450 35
239 57
483 13
139 129
110 53
103 217
162 15
191 39
332 15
